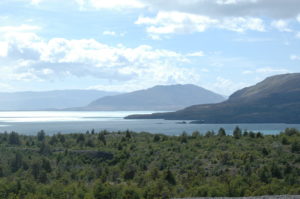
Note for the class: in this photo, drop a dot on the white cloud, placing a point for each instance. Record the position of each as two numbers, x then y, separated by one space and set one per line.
242 24
175 22
4 86
266 70
271 70
278 9
3 49
110 33
295 57
228 2
281 25
298 35
113 33
36 2
23 34
155 37
226 86
246 72
196 54
204 70
151 76
252 39
178 22
32 58
110 4
21 28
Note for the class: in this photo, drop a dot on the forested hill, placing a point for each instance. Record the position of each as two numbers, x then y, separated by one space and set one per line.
128 165
161 98
274 100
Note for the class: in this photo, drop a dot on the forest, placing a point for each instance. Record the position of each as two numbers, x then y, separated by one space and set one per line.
130 165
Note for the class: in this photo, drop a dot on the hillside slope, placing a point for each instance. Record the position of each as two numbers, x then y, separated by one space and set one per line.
274 100
171 97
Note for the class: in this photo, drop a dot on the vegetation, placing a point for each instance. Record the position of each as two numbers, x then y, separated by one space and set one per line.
132 165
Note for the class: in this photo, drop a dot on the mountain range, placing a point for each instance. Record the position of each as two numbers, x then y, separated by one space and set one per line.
274 100
48 100
158 98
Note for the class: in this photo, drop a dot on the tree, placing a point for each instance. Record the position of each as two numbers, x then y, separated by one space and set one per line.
35 170
46 165
149 166
17 163
265 175
156 138
1 172
183 138
195 134
14 139
209 134
259 135
237 133
222 132
61 138
225 158
275 170
90 143
252 134
154 173
105 191
101 138
41 136
291 131
44 148
285 141
53 140
295 147
128 134
130 193
265 151
129 173
80 138
170 177
245 134
43 178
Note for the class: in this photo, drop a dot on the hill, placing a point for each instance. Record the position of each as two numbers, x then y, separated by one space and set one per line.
274 100
46 100
171 97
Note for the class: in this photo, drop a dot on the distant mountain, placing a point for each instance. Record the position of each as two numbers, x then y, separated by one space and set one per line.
274 100
47 100
171 97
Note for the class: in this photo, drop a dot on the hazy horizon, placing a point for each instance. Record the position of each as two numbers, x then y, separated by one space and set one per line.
104 90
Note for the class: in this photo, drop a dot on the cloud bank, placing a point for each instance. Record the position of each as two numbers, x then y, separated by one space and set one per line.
25 56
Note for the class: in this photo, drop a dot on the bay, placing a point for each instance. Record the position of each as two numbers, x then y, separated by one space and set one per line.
30 122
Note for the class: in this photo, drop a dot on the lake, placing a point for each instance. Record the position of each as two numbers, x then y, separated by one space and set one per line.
30 122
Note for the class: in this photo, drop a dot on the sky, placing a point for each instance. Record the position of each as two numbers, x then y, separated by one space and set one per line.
118 45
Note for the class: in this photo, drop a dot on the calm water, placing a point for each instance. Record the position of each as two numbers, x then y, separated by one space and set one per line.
30 122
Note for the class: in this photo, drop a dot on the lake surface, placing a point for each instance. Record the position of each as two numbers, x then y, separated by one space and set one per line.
30 122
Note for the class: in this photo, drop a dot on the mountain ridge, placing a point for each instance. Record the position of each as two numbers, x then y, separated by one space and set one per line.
160 97
273 100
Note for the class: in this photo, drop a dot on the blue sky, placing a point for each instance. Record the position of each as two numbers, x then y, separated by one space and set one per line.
222 45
